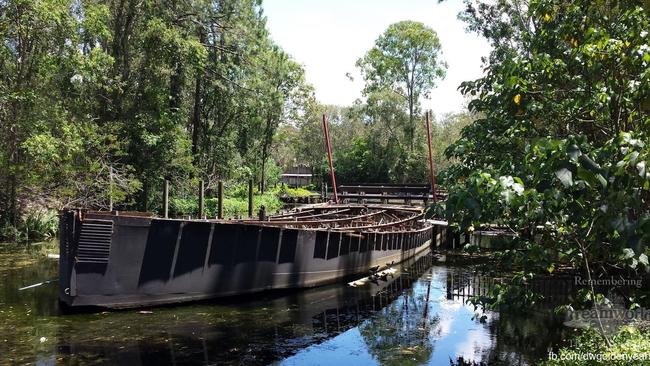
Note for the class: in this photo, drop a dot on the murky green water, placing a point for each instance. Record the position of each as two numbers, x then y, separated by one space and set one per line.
409 319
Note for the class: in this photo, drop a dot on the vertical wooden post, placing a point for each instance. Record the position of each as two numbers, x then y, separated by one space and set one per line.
201 199
166 199
250 198
220 200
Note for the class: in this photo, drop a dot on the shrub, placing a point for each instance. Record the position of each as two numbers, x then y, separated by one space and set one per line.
293 192
39 224
238 206
179 207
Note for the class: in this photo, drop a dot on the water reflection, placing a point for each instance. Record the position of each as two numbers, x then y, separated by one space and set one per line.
424 326
404 319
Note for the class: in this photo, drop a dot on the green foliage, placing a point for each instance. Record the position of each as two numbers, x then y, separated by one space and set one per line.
234 207
40 225
239 208
405 61
508 296
101 101
630 341
559 153
293 192
369 143
35 224
183 207
357 164
235 203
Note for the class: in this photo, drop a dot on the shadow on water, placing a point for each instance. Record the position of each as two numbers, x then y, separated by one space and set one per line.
406 319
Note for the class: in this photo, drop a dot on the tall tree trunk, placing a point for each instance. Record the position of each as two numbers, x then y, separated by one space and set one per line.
410 91
176 80
411 128
13 166
263 178
263 172
196 113
268 138
145 196
196 116
112 108
12 211
175 86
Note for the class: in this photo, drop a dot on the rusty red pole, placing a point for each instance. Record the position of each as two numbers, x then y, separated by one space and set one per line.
329 157
431 167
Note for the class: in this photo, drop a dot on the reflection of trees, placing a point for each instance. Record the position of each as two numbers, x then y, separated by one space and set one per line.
518 337
258 332
460 361
521 338
24 315
399 334
404 332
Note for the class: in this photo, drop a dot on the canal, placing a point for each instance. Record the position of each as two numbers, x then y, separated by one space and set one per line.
408 318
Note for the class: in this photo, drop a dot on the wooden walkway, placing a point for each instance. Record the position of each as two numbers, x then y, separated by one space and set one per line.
388 193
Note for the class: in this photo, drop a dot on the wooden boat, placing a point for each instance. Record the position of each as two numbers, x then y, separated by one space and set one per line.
121 260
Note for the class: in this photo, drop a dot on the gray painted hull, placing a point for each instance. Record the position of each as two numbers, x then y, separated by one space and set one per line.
129 261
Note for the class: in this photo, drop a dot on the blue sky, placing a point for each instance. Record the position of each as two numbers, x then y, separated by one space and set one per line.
328 36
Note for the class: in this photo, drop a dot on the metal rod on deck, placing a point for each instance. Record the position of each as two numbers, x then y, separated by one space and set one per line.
329 157
220 200
166 199
431 167
201 199
250 198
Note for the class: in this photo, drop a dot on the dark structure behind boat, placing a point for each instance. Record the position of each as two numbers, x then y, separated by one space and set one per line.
130 259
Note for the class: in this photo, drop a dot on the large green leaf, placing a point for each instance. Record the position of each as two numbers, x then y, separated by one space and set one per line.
565 176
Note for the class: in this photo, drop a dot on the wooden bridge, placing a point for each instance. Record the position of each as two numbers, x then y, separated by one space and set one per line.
387 193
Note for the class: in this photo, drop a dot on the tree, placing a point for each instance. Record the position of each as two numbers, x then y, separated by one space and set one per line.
283 95
369 142
101 100
24 59
405 60
560 151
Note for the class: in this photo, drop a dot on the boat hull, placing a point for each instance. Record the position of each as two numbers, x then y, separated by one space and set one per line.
129 261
